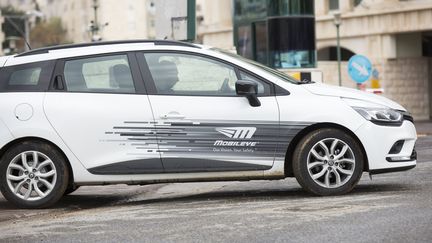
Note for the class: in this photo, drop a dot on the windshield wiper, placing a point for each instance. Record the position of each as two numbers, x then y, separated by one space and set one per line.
305 81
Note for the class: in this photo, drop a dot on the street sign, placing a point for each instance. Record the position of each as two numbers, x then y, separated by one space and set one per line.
359 68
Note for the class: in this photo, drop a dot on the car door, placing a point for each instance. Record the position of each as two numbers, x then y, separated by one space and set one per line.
99 108
201 123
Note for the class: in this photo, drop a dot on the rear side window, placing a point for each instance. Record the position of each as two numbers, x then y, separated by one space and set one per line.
28 77
107 74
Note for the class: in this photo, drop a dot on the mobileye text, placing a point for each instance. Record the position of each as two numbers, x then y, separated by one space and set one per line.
235 144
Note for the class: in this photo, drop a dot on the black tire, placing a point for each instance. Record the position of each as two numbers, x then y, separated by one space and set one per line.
304 175
59 185
70 190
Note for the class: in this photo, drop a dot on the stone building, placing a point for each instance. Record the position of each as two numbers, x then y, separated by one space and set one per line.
2 35
215 24
119 20
397 37
395 34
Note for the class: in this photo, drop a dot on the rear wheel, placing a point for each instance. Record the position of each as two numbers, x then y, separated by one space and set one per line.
328 162
33 175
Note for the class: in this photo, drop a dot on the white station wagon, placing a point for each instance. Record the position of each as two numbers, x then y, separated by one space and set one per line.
142 112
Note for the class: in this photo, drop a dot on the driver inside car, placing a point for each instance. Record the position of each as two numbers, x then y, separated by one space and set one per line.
166 76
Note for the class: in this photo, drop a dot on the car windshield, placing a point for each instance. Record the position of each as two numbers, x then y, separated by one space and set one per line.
278 74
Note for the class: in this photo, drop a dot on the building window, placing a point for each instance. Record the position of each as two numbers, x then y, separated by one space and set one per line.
357 2
333 5
287 50
290 7
330 54
277 33
244 41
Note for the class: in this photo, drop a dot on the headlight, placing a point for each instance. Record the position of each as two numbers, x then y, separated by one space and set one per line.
381 116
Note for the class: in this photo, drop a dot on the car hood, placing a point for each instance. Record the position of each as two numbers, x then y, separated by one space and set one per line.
335 91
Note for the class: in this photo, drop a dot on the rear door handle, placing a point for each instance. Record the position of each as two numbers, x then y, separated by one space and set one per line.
173 115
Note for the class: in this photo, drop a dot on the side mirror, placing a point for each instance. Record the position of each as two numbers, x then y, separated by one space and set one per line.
249 89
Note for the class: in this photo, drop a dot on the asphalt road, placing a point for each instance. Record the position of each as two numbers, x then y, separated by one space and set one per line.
391 208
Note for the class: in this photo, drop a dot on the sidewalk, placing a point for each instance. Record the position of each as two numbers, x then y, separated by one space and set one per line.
424 127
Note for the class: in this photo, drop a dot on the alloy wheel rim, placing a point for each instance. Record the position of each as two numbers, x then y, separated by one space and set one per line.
331 163
31 175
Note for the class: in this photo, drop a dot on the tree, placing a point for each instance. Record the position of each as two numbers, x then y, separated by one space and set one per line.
48 33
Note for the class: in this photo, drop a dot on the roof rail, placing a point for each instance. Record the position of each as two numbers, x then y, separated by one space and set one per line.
68 46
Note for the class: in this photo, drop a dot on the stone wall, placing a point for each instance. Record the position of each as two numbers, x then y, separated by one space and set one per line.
430 88
405 80
330 73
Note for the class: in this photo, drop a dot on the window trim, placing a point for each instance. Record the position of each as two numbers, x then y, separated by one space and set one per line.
151 87
261 79
47 70
276 90
133 65
330 10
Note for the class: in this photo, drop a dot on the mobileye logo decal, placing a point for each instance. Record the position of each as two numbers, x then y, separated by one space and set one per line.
236 133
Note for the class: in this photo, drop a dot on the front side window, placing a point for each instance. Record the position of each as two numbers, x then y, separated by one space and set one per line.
273 72
107 74
261 87
183 74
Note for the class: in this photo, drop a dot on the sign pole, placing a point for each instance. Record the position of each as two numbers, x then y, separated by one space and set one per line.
191 20
339 54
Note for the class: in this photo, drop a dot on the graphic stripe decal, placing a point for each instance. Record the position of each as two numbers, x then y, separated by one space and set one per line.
210 140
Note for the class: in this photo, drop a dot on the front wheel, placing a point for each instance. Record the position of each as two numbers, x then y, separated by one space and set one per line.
33 175
328 162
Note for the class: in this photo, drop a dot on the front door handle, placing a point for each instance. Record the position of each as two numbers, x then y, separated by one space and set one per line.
173 115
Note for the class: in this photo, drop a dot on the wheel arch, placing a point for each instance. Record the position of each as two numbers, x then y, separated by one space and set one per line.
38 139
295 141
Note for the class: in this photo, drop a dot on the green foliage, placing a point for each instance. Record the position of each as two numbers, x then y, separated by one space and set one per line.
48 33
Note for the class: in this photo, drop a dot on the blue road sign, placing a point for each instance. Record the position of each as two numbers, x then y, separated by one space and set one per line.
359 68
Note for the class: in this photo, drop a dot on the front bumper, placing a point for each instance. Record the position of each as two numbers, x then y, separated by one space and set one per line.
388 170
378 141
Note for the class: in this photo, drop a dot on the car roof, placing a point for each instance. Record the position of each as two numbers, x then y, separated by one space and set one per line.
101 43
83 49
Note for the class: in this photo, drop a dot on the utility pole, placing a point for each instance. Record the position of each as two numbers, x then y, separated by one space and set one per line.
94 26
338 23
27 32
